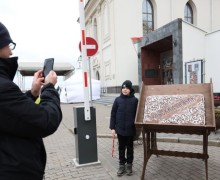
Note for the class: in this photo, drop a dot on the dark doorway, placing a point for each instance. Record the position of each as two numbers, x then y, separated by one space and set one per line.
157 61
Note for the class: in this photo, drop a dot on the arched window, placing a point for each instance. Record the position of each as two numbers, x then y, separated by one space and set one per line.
148 17
188 13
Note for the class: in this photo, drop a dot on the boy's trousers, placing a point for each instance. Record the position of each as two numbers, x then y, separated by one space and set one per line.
125 143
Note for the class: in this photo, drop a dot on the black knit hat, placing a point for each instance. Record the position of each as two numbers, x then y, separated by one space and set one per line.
127 84
5 38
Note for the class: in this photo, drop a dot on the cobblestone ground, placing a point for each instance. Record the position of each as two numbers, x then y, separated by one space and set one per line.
61 150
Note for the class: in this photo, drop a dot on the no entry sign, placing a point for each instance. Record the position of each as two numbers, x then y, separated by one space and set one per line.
91 46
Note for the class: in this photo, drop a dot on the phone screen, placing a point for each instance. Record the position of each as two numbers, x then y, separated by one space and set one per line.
48 66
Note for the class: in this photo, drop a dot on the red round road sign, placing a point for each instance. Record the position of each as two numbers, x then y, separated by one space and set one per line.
91 46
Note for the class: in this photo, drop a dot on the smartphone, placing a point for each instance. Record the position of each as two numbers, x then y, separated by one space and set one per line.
48 66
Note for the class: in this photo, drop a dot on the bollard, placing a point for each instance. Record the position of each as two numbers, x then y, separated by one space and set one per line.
85 137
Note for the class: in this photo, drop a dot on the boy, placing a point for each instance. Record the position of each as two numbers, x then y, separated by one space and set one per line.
122 123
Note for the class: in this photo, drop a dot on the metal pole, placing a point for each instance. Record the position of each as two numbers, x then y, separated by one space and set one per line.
90 81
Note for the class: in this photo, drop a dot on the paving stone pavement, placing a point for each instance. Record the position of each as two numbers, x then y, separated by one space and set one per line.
61 151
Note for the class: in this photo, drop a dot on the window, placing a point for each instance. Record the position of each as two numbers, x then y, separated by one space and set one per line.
188 13
97 75
106 21
148 16
95 30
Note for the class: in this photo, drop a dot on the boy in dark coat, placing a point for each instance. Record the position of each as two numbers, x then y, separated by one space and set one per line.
23 123
122 123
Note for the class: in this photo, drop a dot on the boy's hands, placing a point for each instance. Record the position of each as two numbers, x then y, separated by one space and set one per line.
113 133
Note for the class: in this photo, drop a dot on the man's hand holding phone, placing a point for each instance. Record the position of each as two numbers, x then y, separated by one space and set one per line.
48 66
49 75
37 83
51 78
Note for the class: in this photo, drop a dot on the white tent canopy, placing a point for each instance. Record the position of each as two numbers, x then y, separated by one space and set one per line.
72 89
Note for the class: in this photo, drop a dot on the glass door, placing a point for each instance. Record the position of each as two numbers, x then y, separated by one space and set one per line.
167 70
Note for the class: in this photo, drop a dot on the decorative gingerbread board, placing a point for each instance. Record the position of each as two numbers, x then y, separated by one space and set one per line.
175 109
188 101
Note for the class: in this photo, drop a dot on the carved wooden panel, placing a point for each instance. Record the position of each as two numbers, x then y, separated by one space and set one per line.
175 109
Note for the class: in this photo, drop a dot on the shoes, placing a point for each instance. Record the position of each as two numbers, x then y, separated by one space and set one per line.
121 170
129 169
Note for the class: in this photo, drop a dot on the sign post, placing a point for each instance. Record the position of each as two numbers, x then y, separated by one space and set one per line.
91 50
91 46
90 80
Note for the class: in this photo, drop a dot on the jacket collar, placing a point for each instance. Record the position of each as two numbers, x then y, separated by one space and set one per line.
8 67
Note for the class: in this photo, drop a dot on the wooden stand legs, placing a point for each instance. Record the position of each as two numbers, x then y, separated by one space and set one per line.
205 152
149 142
150 147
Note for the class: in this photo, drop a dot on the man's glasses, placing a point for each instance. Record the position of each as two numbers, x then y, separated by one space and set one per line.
12 45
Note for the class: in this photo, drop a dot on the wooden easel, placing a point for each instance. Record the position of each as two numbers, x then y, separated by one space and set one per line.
149 130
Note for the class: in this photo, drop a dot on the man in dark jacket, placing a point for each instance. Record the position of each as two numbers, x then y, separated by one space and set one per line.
122 123
23 123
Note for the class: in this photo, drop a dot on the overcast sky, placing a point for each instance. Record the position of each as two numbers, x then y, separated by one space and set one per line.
43 28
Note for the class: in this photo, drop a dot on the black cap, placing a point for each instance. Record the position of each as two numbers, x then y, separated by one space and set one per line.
5 38
127 84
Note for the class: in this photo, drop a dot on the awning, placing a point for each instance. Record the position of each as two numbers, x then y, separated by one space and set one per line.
29 68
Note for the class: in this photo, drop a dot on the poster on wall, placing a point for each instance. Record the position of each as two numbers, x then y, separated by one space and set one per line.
194 72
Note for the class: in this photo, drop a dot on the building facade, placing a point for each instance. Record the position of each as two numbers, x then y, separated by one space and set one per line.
114 22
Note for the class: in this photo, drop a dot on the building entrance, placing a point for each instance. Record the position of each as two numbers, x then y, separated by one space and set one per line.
157 62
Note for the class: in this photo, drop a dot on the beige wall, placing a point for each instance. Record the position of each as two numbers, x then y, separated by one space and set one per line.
116 59
212 58
215 14
193 44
